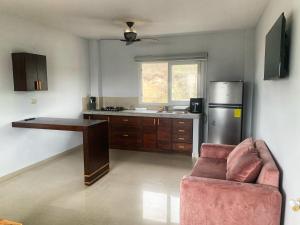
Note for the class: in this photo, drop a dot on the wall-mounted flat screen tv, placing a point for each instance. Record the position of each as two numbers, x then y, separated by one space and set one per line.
276 54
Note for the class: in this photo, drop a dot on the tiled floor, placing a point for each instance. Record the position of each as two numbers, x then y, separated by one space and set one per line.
141 188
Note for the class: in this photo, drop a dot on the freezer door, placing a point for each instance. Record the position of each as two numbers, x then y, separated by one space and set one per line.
230 93
224 125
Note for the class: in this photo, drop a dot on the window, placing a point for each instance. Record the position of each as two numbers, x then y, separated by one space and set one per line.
155 82
169 82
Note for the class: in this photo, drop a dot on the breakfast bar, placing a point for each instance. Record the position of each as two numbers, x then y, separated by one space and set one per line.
95 141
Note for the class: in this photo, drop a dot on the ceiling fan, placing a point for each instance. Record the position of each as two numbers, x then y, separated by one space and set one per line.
130 35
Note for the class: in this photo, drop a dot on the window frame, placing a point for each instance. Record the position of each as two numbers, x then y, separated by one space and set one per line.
200 81
170 76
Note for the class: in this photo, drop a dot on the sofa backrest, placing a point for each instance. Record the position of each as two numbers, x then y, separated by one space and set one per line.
269 174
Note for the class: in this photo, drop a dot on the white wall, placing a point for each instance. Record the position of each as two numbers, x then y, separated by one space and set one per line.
95 76
277 105
68 82
120 73
230 58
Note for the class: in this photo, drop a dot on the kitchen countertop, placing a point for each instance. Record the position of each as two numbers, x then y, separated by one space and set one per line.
146 113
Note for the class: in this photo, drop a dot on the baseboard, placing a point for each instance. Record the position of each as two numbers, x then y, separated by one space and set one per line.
27 168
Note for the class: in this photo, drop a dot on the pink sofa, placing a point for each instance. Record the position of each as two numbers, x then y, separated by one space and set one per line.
207 198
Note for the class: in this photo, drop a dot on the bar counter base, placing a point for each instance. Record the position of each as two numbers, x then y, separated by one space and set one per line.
95 141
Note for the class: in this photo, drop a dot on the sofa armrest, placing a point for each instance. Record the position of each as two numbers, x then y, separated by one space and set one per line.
216 151
209 201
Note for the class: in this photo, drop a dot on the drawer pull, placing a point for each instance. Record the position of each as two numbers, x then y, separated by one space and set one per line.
125 120
125 135
182 139
181 131
181 122
181 146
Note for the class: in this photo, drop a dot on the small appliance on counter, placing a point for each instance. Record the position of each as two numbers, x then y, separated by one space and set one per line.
92 103
196 105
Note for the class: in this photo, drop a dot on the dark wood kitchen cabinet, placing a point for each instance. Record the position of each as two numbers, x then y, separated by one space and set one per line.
30 72
95 117
182 135
149 133
125 132
164 133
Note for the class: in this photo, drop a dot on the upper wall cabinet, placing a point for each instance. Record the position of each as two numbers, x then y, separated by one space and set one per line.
30 72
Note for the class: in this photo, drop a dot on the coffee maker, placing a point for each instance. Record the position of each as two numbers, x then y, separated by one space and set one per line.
196 105
92 103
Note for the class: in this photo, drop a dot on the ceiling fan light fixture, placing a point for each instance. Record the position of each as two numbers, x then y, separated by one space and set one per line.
127 30
130 36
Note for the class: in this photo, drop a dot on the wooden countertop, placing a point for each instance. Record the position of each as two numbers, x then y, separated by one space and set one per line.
56 123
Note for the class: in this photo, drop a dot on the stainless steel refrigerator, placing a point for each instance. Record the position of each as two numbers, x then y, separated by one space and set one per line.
225 112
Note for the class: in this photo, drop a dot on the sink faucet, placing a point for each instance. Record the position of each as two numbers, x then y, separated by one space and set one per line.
164 108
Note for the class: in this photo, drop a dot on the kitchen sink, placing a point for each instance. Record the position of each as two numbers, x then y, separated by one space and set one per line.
154 111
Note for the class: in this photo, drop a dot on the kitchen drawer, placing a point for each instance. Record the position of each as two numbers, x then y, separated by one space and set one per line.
125 139
183 138
182 123
125 121
87 116
182 147
183 131
95 117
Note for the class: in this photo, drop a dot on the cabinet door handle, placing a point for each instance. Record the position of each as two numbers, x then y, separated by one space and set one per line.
125 135
158 122
181 122
36 86
182 139
181 131
154 121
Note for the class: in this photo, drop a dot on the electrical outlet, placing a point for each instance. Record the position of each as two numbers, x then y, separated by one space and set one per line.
33 101
295 204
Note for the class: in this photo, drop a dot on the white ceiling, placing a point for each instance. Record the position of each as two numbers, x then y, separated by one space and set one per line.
101 18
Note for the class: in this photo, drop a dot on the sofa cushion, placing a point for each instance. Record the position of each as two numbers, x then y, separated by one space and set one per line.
245 168
243 148
210 168
270 174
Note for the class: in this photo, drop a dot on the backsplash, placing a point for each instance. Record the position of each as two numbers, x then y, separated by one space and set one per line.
127 102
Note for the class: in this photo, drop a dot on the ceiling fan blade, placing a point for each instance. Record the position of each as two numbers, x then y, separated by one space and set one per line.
129 42
152 39
110 39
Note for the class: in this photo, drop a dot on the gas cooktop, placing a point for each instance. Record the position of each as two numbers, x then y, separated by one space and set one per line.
112 108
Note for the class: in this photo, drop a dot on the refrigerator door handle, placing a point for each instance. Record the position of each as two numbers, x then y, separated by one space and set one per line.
224 106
